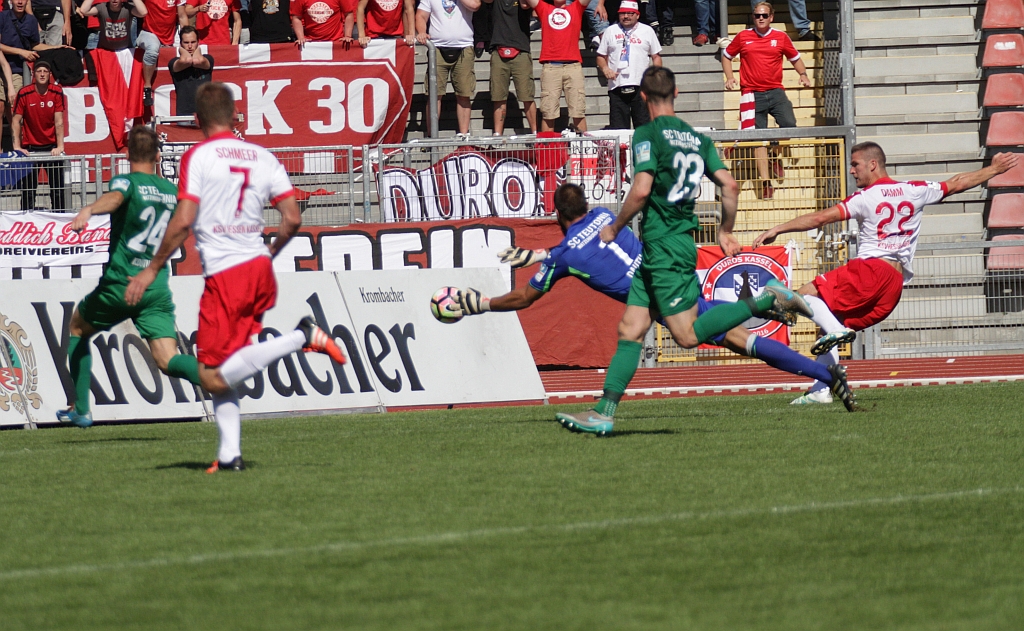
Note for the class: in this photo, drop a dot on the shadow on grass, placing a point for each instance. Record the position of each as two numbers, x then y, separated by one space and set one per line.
194 466
631 432
119 439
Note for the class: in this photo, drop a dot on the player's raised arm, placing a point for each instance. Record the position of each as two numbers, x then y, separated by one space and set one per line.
521 257
473 302
106 204
803 223
177 231
1001 163
730 201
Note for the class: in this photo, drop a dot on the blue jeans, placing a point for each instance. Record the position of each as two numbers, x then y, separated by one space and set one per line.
797 11
660 12
707 17
595 24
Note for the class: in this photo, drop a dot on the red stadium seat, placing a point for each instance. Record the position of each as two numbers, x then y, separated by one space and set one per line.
1011 257
1005 89
1004 51
1003 14
1012 178
1007 211
1005 129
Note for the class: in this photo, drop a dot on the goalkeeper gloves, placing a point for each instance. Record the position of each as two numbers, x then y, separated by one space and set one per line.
473 302
521 257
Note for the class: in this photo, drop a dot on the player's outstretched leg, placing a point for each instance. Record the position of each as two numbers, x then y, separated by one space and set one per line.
819 392
776 302
587 422
318 341
787 300
249 360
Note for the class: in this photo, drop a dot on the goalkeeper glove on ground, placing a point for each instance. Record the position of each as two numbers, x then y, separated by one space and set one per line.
521 257
473 302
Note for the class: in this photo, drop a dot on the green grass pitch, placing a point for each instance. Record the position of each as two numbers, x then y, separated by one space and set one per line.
702 513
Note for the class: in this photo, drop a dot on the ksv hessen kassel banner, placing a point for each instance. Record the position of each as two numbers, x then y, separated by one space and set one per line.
746 274
326 93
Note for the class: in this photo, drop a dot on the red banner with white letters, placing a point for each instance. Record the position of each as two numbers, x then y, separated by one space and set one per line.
326 93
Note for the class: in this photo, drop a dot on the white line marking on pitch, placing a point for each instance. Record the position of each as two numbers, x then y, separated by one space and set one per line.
449 537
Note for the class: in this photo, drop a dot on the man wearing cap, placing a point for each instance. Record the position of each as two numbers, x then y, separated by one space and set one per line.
627 49
38 127
561 65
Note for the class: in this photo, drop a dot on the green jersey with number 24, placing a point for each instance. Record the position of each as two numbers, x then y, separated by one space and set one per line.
138 225
678 158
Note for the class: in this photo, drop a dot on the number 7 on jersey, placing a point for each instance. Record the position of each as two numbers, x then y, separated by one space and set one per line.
244 171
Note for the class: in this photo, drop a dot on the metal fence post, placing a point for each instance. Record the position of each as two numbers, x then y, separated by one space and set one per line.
367 176
432 110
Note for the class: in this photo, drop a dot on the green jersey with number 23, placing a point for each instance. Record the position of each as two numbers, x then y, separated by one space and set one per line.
677 157
138 225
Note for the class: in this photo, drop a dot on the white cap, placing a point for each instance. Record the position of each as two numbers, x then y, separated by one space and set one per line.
629 6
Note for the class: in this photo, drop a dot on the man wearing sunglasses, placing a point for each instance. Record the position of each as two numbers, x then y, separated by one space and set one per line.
762 49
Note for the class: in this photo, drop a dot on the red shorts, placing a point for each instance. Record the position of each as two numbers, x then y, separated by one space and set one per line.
232 307
861 293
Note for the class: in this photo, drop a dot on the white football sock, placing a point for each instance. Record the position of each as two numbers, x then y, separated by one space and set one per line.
249 360
229 424
823 316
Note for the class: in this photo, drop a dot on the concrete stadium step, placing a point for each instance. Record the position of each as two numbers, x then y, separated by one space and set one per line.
897 144
948 103
962 268
916 68
915 27
959 224
928 308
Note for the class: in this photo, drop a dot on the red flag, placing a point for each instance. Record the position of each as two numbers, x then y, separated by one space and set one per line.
119 78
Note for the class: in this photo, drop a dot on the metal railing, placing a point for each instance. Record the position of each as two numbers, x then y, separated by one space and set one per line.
42 181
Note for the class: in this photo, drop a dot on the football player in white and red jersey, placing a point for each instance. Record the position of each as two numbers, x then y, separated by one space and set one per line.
865 291
223 185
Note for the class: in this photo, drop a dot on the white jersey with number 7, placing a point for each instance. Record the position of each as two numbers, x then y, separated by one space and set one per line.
889 214
231 180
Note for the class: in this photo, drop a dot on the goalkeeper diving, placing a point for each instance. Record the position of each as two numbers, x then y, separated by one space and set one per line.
609 269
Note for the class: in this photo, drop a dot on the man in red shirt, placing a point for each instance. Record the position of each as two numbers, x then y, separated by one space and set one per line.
319 20
561 66
37 127
212 20
762 49
386 18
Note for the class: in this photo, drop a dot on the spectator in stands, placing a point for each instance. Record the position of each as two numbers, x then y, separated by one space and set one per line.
386 18
158 30
19 41
218 22
38 126
115 20
659 15
594 25
317 20
189 70
560 61
707 22
451 29
798 11
511 60
54 17
270 22
7 93
762 49
627 49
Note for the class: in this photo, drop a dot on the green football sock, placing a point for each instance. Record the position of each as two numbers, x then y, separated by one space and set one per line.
723 317
620 373
80 364
184 367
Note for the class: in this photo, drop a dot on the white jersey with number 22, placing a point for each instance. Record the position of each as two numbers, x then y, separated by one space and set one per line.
889 214
231 180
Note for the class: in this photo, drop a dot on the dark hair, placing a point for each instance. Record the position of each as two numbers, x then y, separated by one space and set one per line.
215 104
872 150
659 84
570 202
185 30
142 145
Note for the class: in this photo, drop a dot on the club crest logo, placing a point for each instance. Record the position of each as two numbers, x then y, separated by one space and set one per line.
742 276
217 9
19 377
559 19
320 12
387 5
449 6
270 7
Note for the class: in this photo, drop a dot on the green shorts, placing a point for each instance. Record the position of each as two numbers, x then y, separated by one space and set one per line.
153 316
666 281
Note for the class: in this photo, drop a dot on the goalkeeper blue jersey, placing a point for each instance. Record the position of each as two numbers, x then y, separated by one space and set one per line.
605 267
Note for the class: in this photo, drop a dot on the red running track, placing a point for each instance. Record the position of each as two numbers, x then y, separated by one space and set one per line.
570 386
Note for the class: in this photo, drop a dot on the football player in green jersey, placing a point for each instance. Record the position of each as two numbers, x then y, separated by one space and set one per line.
670 160
140 203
